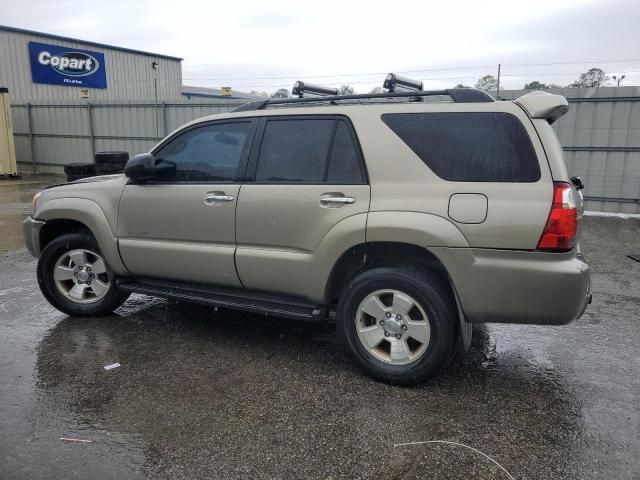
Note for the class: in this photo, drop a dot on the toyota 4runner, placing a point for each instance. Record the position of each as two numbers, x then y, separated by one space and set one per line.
406 220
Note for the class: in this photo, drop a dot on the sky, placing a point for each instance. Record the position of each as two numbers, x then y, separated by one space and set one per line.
254 45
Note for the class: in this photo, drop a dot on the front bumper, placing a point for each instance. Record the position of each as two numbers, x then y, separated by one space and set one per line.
519 287
31 234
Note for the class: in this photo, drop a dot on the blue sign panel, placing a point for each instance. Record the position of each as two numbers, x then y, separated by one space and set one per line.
67 66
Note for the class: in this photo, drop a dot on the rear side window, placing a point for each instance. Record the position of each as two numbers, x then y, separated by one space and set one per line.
308 150
469 147
344 166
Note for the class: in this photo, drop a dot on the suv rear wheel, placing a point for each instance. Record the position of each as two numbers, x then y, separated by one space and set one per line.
397 323
75 279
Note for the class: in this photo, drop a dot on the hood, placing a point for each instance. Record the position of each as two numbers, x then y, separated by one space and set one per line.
99 178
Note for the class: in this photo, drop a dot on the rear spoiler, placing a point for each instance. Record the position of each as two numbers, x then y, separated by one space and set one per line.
544 105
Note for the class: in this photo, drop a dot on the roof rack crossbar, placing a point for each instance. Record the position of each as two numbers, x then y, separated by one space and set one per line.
458 95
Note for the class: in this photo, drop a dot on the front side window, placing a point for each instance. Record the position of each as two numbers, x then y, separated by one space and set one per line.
308 150
469 147
208 153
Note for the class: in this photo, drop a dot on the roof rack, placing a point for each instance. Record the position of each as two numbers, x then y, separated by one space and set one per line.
301 88
398 83
458 95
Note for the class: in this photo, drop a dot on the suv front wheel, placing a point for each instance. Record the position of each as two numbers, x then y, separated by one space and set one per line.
75 279
397 323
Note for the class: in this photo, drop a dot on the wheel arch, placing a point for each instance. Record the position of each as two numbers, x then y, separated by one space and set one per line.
72 215
365 256
57 227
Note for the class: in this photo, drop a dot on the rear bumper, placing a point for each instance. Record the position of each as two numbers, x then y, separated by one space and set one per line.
31 234
518 287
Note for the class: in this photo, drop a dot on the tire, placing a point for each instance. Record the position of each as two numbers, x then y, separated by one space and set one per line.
111 157
109 168
86 169
73 178
85 300
421 349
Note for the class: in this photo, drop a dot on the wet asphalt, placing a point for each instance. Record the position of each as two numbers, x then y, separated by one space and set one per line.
217 394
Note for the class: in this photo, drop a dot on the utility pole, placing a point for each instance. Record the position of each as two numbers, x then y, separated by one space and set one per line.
498 85
154 67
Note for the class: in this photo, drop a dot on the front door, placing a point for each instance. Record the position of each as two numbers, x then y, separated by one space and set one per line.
183 227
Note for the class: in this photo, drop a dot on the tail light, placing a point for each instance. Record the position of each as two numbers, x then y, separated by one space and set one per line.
559 233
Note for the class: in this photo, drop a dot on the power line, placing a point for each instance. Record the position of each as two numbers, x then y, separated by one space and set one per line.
509 76
466 67
346 74
567 63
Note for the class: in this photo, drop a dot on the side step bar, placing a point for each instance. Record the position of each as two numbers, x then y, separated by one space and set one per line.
245 300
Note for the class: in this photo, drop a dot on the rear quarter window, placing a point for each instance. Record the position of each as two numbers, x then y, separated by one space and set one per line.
469 147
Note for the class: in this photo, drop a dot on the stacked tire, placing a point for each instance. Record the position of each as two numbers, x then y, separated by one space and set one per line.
108 163
76 171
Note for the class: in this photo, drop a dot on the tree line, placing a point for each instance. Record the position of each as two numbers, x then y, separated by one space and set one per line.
594 77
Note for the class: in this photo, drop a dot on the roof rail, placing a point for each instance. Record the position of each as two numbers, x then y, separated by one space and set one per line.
458 95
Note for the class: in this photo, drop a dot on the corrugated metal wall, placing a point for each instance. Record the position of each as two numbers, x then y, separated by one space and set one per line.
601 139
48 136
600 135
130 76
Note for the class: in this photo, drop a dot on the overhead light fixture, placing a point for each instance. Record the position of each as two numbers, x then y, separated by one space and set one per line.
301 89
398 83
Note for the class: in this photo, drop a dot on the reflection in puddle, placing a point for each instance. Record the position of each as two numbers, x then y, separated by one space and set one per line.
269 398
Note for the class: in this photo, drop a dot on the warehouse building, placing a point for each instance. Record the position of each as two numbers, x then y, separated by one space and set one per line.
39 67
71 98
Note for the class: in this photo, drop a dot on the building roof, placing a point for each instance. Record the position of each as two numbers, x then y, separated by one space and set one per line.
214 93
93 44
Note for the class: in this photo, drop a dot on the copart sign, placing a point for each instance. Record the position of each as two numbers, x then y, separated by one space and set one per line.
67 66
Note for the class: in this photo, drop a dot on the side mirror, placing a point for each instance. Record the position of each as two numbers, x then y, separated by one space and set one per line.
144 167
141 167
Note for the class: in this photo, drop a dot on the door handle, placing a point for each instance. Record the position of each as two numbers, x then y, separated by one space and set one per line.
212 198
337 201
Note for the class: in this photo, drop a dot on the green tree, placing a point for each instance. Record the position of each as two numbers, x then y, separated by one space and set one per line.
346 90
488 83
536 85
594 77
462 86
256 93
280 93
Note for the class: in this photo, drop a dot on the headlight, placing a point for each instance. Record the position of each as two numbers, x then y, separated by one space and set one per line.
35 200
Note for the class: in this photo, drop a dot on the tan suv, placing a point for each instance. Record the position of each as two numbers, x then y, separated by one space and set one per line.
407 220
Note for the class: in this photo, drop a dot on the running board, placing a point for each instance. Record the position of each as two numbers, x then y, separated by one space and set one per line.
245 300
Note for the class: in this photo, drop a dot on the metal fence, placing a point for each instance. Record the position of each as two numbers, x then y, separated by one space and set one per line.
47 136
600 135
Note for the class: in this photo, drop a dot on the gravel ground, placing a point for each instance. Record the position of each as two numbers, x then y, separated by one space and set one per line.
206 394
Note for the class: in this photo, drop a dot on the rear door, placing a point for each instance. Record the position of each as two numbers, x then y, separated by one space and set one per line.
308 176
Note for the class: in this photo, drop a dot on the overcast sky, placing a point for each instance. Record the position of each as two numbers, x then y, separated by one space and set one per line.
265 45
